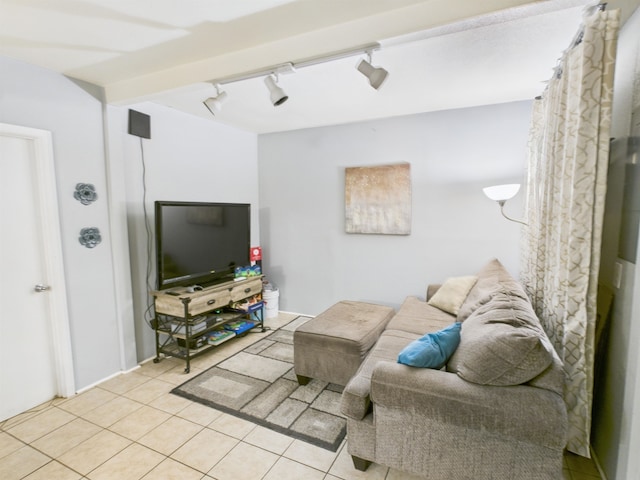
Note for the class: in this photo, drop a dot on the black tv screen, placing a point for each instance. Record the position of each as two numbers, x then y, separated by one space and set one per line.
200 243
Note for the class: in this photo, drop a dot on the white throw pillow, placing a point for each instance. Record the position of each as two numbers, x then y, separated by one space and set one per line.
453 293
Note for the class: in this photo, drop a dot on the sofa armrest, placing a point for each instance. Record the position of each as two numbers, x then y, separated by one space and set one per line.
432 289
355 402
520 412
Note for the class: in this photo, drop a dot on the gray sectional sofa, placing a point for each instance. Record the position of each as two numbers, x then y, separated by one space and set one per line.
496 411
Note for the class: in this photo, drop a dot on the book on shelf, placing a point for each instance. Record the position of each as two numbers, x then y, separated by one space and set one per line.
254 307
216 337
249 305
239 326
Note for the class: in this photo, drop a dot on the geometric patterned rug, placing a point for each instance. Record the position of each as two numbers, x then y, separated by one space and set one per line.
258 384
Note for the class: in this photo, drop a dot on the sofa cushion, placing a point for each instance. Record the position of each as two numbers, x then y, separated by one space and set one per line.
492 277
553 378
432 350
453 293
502 343
355 402
418 317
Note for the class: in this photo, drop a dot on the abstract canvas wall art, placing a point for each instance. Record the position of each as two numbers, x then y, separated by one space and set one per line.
378 199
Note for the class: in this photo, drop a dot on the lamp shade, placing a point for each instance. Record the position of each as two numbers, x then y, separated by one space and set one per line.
500 193
278 97
376 75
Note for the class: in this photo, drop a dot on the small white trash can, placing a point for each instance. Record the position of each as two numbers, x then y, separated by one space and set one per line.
270 298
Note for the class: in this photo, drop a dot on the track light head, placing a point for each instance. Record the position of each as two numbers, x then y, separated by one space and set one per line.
214 104
278 97
376 75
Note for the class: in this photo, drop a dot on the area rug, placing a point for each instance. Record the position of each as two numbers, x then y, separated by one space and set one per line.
259 384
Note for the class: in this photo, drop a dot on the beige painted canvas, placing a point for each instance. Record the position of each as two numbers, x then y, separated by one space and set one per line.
378 199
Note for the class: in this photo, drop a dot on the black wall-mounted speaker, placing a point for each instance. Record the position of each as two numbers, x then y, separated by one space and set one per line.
139 124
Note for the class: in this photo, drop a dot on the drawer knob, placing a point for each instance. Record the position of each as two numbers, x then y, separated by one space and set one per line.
247 290
211 302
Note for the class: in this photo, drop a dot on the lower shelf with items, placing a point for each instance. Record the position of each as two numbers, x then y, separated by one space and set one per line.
191 344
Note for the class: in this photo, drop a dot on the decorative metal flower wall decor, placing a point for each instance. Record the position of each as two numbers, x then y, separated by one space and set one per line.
90 237
85 193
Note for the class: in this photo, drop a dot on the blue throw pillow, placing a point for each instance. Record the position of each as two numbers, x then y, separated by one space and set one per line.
432 350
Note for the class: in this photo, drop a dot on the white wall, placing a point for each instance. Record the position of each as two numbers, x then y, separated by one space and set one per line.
455 228
187 159
34 97
618 413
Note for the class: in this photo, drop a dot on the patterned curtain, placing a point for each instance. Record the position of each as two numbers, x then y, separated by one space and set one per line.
568 160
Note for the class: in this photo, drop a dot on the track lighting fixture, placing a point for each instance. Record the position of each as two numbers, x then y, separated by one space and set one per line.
278 97
214 104
376 75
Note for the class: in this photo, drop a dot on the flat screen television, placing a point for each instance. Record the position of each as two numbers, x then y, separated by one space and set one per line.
200 243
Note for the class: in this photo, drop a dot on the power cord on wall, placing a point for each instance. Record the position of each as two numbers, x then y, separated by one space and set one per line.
149 313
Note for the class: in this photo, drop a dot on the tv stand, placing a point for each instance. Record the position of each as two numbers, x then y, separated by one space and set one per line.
189 324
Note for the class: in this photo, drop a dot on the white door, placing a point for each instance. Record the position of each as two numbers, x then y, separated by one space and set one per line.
34 347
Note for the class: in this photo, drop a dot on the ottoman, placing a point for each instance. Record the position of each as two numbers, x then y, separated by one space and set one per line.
332 346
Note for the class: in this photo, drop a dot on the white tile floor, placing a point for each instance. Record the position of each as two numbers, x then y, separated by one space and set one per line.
132 428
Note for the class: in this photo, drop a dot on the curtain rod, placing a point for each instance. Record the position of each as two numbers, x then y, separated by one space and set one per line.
601 7
577 39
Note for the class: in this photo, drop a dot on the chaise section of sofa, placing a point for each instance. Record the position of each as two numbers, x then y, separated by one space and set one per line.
496 410
414 318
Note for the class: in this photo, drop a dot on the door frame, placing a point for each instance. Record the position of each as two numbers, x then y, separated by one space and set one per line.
42 149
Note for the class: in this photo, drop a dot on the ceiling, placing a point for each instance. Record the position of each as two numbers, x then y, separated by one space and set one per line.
440 54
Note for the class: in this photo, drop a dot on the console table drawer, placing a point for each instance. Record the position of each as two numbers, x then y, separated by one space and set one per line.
200 302
209 301
246 289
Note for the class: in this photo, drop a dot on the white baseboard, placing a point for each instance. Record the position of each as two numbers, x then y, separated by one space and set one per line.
296 313
146 360
95 384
